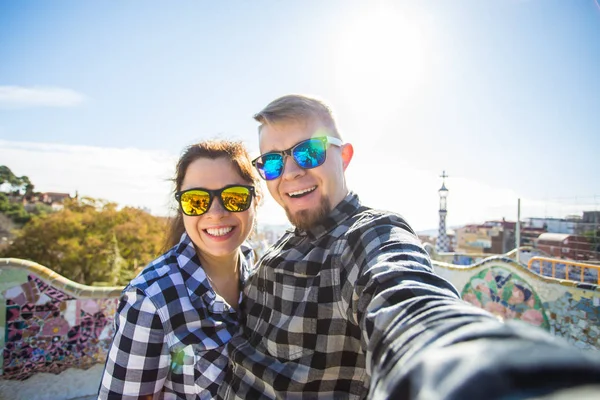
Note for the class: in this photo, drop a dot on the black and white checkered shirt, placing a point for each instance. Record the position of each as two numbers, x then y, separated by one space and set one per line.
171 331
318 305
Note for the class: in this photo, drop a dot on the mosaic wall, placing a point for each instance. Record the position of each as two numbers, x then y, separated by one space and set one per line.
507 289
46 329
50 324
582 320
505 294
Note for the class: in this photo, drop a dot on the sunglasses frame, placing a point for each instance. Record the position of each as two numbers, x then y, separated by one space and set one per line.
326 140
212 195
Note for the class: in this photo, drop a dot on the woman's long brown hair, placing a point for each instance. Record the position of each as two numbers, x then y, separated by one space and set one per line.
232 150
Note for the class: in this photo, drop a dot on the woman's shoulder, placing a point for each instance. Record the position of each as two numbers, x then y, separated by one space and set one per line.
157 276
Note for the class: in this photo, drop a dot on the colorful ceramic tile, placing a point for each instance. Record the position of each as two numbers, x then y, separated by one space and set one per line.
11 277
505 294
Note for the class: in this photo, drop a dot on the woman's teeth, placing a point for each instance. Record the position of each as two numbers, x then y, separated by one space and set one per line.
219 231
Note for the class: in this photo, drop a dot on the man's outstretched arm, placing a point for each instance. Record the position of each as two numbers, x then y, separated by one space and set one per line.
423 342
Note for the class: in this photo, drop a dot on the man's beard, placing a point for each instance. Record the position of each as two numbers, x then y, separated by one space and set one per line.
306 219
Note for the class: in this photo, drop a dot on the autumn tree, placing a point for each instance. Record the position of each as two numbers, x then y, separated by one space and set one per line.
90 241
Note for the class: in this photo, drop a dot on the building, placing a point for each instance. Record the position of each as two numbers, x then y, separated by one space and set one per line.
529 235
504 240
571 224
564 245
552 225
494 237
53 199
474 238
590 222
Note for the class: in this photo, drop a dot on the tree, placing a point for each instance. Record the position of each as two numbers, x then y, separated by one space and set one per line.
593 236
7 176
17 184
89 239
15 211
6 228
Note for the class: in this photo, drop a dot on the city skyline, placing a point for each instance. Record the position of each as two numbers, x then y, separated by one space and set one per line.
502 95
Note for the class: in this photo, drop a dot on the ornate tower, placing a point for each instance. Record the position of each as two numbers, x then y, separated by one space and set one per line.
442 244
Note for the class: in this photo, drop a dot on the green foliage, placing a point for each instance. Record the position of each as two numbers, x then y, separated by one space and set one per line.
14 211
18 184
594 239
91 241
40 209
7 176
593 235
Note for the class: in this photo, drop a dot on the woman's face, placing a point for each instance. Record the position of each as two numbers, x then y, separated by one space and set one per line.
217 232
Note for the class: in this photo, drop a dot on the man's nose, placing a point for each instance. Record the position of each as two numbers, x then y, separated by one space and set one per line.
291 170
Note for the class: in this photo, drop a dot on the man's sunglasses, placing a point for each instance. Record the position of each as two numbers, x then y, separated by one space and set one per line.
307 154
197 201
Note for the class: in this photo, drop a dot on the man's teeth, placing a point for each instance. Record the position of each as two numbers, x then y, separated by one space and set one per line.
301 192
219 231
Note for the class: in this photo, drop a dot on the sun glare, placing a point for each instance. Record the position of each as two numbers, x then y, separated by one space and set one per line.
382 57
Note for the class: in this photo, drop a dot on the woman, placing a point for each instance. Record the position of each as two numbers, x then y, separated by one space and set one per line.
175 318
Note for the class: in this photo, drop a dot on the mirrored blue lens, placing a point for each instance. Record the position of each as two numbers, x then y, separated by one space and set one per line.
309 154
272 165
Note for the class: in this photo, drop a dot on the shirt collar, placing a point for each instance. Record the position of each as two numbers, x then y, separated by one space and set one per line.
344 210
197 283
188 261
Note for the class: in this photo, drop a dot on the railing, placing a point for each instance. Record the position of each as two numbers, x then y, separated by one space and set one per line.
565 269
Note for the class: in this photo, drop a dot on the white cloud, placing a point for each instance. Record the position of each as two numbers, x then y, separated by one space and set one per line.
129 177
38 96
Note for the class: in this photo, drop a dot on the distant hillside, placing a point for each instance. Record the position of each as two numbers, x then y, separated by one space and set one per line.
428 232
434 232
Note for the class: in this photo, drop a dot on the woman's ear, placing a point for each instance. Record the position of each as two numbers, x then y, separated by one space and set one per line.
258 196
258 199
347 153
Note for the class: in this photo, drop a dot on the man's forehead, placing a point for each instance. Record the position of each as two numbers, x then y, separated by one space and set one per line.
282 135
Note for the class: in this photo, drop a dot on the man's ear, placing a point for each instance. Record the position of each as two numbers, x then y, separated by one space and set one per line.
347 153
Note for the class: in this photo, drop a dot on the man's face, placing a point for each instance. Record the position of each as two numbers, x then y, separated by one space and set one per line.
307 195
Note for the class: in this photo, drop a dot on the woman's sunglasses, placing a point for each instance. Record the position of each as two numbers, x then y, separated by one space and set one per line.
307 154
197 201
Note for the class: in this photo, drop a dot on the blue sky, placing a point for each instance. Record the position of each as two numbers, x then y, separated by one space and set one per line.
101 97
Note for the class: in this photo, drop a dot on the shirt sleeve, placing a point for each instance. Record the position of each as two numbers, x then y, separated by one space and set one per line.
387 278
138 360
422 341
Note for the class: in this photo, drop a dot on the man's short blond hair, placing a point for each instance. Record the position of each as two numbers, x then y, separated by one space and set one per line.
299 108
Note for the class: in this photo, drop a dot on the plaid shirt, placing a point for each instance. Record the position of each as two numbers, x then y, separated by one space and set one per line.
320 303
171 331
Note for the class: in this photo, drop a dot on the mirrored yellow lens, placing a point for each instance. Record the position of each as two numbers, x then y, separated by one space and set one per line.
195 202
236 198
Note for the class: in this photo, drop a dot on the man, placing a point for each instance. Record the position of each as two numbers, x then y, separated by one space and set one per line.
347 305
